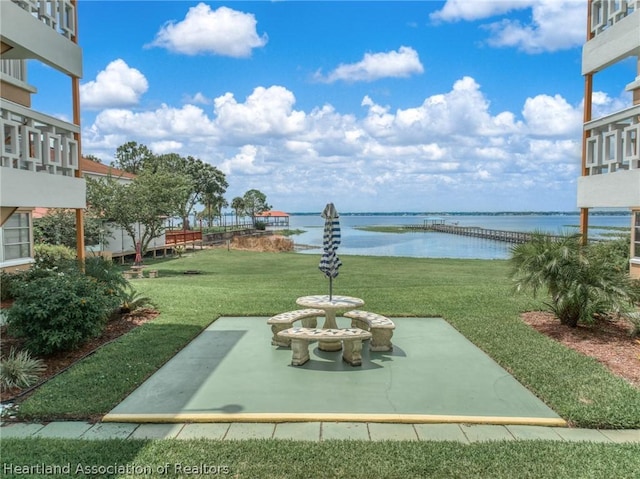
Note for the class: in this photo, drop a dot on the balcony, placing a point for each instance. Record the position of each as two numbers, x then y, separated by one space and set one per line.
612 161
612 143
615 27
606 13
60 15
38 160
43 30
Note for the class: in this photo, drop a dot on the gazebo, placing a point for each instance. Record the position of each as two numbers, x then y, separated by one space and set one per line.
274 218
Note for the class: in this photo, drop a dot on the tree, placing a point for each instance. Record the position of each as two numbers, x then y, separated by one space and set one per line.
58 227
206 182
131 157
146 202
255 202
213 205
237 204
581 280
93 158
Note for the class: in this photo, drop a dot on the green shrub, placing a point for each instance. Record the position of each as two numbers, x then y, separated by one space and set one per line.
582 282
53 256
615 252
260 225
108 274
59 312
19 370
11 283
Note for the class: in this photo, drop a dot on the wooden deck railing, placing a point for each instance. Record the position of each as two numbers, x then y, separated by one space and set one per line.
180 237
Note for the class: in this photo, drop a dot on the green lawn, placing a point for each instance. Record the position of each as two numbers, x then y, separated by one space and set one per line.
275 459
474 296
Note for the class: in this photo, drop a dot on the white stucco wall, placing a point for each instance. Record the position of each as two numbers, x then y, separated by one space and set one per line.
610 190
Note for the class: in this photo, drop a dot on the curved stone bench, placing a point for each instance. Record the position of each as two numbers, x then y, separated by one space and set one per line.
282 321
301 337
381 328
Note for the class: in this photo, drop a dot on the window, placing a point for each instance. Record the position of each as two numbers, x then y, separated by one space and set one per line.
16 237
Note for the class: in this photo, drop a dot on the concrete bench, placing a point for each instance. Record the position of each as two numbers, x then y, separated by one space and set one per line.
381 328
282 321
132 273
301 337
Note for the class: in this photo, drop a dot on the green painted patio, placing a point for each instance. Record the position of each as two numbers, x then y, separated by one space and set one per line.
232 373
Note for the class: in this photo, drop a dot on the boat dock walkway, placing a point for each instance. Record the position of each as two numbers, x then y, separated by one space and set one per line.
515 237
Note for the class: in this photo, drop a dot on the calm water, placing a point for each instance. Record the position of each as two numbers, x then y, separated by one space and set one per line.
436 245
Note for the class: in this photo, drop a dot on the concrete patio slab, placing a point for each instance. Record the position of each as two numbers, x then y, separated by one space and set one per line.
441 432
238 431
18 430
299 431
111 430
486 432
64 429
204 431
392 432
534 432
578 434
358 431
622 435
231 373
157 431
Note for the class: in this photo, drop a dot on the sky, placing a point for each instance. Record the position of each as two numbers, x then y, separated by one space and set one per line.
386 106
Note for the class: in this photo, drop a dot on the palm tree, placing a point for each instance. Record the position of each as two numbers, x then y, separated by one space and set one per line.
237 204
581 283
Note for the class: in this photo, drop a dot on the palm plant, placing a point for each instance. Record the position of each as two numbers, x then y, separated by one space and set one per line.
581 284
132 301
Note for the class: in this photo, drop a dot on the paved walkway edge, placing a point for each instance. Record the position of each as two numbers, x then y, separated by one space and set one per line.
315 431
332 417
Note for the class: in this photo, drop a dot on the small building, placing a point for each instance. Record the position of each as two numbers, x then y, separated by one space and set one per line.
275 219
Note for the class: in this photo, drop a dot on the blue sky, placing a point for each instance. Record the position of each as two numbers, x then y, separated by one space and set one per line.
454 105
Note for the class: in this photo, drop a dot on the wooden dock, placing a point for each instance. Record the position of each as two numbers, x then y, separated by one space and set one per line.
515 237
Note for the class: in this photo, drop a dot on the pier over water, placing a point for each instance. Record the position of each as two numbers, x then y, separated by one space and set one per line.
515 237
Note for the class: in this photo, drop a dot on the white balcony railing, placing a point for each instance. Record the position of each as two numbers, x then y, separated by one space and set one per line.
613 142
606 13
57 14
36 142
16 69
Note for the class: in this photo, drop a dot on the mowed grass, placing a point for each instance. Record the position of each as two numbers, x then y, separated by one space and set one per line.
276 459
475 296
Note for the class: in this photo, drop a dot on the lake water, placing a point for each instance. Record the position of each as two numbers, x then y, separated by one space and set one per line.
438 245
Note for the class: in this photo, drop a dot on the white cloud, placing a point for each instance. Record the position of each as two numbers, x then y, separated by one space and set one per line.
245 162
224 32
455 10
199 99
266 112
188 123
374 66
165 146
448 145
555 24
118 85
552 116
462 111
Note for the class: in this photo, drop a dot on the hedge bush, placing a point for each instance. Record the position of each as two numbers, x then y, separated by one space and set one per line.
60 311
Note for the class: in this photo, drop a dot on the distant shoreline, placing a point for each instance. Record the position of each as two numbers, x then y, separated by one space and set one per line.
476 213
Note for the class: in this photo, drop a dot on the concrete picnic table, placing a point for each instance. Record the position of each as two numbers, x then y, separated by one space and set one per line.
330 307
